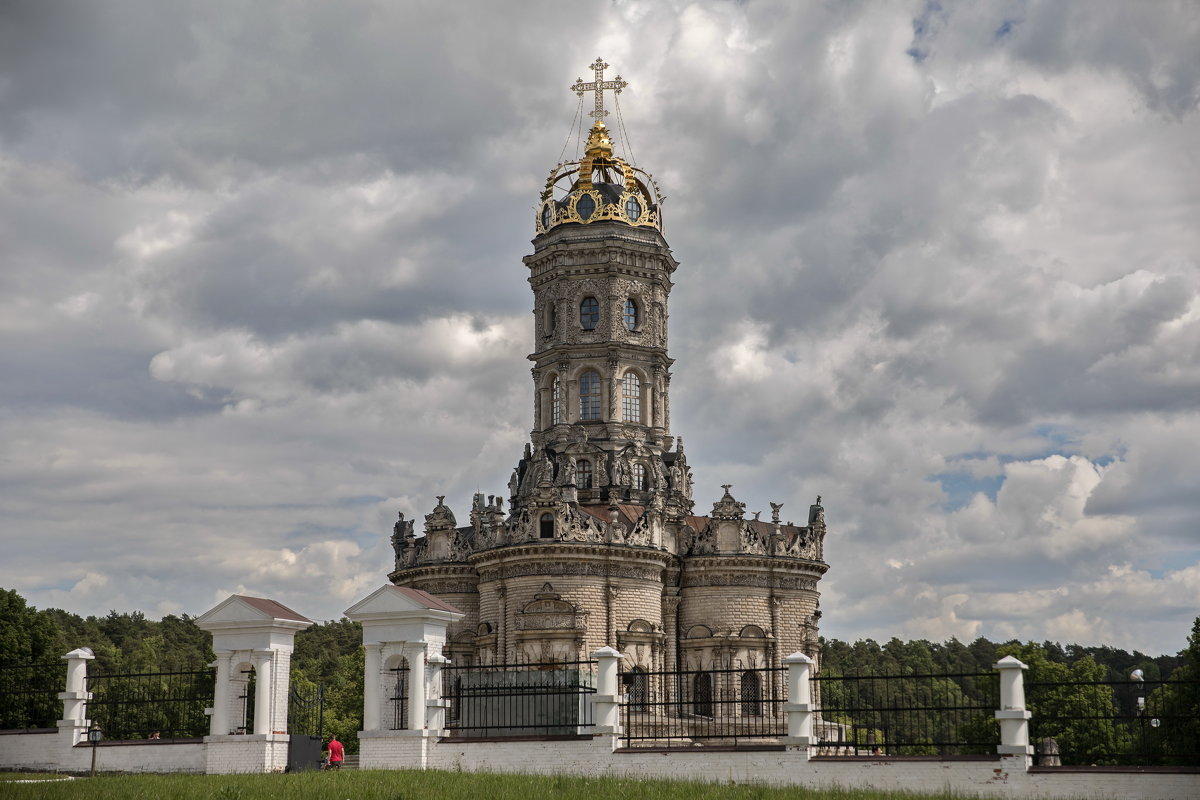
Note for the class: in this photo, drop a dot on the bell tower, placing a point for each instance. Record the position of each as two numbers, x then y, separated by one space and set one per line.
600 544
601 278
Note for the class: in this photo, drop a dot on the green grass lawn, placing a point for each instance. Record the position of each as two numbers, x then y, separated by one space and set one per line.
415 785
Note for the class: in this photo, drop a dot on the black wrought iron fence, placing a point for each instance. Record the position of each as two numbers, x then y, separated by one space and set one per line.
167 705
951 714
306 709
398 697
29 695
511 700
1115 722
703 707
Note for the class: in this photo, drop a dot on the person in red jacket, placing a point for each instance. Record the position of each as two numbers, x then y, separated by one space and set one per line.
336 753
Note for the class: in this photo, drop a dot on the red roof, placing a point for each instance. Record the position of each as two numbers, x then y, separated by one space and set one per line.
426 599
276 610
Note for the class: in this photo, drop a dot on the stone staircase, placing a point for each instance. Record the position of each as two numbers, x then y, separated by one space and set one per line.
350 761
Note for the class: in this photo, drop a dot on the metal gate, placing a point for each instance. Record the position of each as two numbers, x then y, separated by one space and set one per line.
306 726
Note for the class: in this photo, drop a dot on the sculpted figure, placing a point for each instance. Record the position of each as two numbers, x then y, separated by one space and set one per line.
566 471
660 478
676 476
624 470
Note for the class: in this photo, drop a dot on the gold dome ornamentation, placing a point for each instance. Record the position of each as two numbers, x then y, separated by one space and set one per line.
600 187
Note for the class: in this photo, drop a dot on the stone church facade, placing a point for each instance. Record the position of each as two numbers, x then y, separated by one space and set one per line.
600 543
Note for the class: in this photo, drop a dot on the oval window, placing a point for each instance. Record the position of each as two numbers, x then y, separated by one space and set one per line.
589 313
585 206
546 216
633 209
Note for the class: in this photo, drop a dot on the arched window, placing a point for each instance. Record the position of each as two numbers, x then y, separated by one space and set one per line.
639 477
631 401
702 695
631 314
589 395
589 313
751 691
551 317
637 689
556 402
546 526
583 474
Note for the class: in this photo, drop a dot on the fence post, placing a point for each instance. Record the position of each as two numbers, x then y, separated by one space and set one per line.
1014 718
435 705
75 694
606 703
799 708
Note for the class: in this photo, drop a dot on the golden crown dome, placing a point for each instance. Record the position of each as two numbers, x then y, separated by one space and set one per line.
601 186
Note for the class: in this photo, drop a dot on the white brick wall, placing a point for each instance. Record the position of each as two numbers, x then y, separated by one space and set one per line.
57 752
999 777
238 754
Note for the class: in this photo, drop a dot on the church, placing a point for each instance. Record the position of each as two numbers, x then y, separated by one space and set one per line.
600 543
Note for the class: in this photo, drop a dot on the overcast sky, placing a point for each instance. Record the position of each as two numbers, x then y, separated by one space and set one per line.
261 288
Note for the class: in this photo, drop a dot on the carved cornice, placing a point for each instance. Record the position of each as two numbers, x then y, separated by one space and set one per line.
433 572
565 552
647 573
744 561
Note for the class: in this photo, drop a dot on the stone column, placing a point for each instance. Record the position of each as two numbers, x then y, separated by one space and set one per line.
666 401
1014 718
606 703
373 666
219 723
647 409
540 404
670 604
264 684
799 708
415 653
656 403
435 718
614 391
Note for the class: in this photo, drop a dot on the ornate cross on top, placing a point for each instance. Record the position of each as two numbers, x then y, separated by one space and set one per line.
598 86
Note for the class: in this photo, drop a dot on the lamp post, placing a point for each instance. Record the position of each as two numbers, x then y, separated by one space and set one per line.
94 735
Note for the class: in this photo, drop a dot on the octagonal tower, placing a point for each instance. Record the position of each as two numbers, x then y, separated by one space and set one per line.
600 545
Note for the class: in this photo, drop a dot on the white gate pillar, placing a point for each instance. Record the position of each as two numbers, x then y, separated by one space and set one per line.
399 621
219 722
265 688
799 707
260 632
1013 716
372 668
415 653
